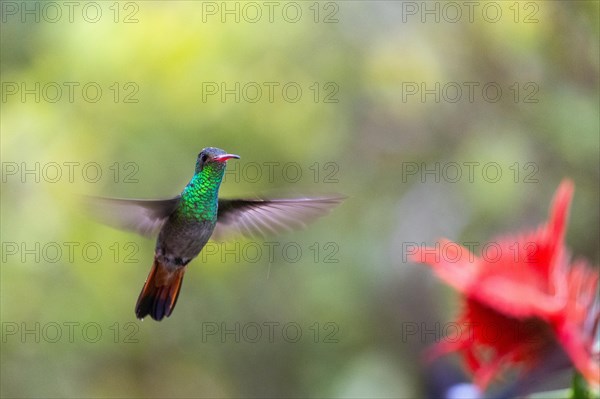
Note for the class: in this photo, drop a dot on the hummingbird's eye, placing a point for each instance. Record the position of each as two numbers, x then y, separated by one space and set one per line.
203 158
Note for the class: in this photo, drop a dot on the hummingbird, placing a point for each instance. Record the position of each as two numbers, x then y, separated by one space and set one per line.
186 222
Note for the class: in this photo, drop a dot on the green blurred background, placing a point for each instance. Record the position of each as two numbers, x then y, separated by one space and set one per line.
68 327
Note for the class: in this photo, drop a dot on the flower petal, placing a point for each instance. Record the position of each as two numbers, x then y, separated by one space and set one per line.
453 263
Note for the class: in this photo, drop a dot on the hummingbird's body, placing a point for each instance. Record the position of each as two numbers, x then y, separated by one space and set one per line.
189 220
191 224
183 235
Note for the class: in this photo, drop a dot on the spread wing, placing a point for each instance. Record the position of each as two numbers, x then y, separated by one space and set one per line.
144 217
264 217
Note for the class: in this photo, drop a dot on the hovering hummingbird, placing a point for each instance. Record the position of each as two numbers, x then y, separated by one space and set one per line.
187 221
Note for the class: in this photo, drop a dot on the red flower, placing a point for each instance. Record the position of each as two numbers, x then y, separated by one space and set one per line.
520 296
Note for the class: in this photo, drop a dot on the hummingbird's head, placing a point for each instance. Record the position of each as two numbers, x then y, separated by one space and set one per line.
214 157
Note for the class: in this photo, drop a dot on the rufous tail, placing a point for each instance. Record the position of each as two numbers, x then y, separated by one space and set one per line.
159 295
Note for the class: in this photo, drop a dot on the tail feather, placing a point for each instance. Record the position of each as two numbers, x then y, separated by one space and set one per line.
160 292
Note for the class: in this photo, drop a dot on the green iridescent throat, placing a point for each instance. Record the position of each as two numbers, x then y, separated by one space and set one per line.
199 199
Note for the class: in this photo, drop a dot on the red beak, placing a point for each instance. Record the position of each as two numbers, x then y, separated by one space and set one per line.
225 157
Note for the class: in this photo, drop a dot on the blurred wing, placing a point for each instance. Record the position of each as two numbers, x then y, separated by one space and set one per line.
144 217
264 217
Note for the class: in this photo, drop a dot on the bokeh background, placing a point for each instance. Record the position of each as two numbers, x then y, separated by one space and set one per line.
357 128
